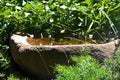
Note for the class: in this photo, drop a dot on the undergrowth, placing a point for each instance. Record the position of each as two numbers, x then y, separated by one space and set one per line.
88 68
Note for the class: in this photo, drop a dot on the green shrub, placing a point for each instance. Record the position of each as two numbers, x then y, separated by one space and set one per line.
86 68
113 66
84 17
51 17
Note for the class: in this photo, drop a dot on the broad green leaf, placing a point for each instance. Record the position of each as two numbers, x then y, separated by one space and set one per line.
6 12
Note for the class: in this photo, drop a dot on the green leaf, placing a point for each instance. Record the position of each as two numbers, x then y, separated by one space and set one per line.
2 75
110 21
116 7
6 12
27 6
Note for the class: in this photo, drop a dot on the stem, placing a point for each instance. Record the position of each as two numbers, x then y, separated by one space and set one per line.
44 63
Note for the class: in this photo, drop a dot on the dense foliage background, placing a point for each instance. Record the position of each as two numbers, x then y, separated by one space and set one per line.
97 17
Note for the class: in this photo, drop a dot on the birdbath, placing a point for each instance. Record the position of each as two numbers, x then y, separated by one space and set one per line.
40 59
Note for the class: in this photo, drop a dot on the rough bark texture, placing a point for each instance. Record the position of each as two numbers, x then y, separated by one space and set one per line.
41 60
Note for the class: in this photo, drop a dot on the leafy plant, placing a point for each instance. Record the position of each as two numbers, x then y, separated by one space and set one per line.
4 61
113 66
55 17
2 75
83 17
86 68
12 76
